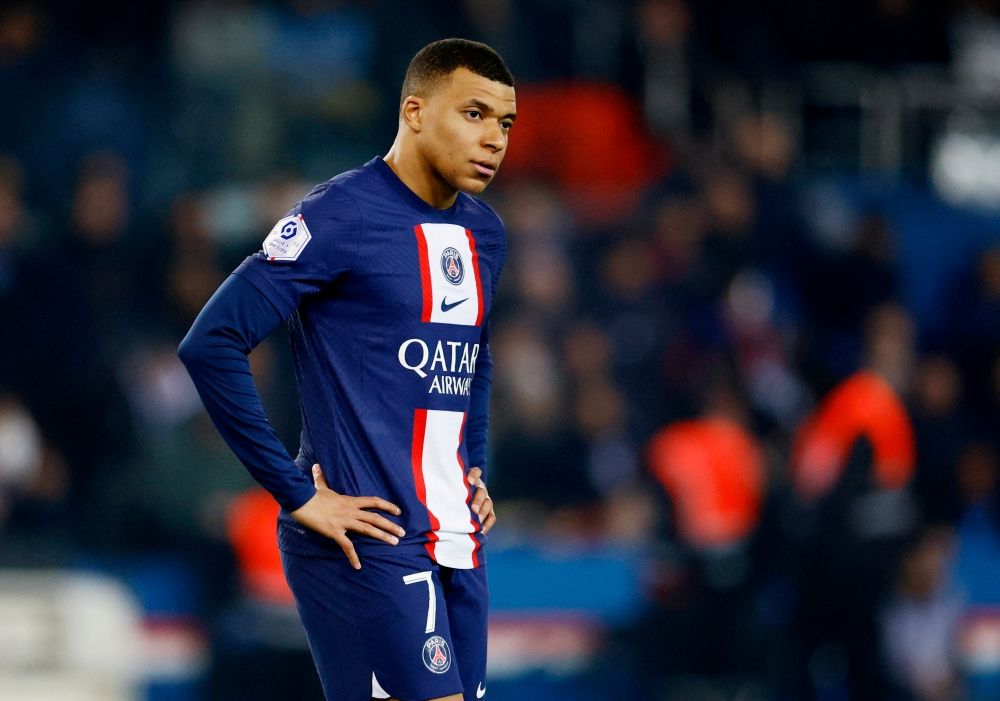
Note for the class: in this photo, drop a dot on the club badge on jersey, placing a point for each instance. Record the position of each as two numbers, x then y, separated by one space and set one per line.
287 239
452 291
451 266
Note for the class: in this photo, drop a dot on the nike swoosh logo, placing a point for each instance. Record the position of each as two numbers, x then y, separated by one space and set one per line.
445 307
480 691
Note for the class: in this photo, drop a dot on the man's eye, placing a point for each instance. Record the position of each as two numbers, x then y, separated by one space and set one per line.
506 125
473 113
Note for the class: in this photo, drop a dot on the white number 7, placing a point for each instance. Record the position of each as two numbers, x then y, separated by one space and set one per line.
431 597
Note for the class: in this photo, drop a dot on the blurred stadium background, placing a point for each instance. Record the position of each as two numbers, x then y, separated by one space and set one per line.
747 396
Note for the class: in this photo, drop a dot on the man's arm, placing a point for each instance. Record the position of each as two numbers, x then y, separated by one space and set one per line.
233 322
215 350
477 429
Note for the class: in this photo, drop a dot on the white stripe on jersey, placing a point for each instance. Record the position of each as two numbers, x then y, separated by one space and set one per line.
446 489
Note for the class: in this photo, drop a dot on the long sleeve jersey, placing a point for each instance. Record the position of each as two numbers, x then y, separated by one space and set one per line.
387 301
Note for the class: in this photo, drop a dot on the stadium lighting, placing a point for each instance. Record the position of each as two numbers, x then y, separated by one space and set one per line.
965 169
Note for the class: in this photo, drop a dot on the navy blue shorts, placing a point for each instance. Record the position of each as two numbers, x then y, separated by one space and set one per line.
401 626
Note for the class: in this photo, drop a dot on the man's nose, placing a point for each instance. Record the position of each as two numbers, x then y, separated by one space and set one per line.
494 139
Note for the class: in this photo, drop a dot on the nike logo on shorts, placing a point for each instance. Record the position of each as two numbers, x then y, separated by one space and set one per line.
480 691
448 307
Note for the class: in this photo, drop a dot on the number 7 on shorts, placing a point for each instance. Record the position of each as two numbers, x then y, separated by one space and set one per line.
431 596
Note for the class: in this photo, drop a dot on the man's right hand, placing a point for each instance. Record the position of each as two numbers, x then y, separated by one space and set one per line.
334 514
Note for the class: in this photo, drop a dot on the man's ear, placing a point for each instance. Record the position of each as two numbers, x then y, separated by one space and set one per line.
412 112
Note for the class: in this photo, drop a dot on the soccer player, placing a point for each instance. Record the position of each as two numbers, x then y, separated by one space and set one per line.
385 276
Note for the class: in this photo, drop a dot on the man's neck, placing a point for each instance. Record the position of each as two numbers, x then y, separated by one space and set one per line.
418 175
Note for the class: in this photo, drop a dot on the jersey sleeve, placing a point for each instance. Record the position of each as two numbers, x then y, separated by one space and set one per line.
215 350
477 429
309 248
478 423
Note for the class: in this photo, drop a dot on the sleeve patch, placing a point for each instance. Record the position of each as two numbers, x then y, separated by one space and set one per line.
287 239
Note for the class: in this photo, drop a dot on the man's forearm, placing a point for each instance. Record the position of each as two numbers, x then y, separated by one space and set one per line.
477 424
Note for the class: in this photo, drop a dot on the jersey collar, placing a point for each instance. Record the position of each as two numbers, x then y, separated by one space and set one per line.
408 195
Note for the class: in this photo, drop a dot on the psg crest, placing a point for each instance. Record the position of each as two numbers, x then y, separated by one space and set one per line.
451 266
437 656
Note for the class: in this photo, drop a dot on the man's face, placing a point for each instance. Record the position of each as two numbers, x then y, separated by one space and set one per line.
464 129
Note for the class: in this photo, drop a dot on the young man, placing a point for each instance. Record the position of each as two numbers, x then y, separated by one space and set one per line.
385 275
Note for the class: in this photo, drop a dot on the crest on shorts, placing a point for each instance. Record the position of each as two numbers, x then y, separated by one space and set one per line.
437 655
452 266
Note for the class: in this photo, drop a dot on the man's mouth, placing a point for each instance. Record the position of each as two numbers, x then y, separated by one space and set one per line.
485 167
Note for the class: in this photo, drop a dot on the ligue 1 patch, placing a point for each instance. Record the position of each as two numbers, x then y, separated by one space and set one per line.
452 267
437 655
287 239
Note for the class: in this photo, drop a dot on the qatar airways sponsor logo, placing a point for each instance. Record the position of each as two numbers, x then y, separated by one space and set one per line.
448 357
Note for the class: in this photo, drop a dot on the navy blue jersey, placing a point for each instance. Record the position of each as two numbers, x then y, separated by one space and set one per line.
386 299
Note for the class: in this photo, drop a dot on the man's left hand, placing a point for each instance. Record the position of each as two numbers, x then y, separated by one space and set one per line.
482 505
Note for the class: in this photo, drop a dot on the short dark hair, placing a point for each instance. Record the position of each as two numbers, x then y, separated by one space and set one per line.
441 58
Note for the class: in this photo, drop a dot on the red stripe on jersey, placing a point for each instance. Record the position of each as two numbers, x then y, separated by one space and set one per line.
475 270
417 458
425 274
468 499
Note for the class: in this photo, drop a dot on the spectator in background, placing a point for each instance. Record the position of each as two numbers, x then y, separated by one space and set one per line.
982 296
764 143
631 309
918 624
664 29
599 409
979 529
890 345
193 272
228 119
974 328
320 59
940 427
20 273
767 147
713 471
52 352
679 229
107 252
23 66
98 293
260 647
977 571
539 245
182 472
763 351
732 214
538 453
852 463
864 277
34 483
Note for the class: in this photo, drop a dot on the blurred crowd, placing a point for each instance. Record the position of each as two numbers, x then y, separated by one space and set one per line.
680 330
657 378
